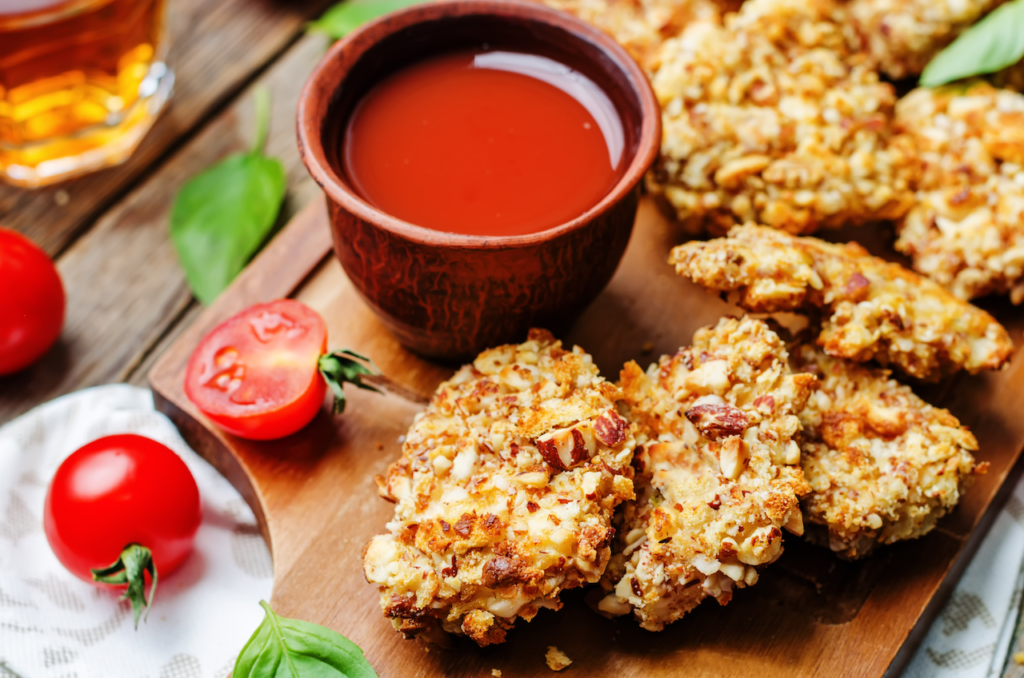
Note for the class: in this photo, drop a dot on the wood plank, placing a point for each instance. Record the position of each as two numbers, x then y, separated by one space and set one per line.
811 614
125 287
216 49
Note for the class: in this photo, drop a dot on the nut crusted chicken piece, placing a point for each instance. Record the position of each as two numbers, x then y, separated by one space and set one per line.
870 308
777 117
883 464
718 472
505 492
641 26
967 230
904 35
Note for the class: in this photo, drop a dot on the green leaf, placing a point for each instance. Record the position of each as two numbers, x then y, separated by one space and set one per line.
290 648
223 215
992 44
345 17
342 367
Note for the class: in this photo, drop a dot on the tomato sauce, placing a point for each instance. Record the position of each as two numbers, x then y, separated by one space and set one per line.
484 143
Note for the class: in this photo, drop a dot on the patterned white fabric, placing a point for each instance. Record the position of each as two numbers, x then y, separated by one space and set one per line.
52 625
972 636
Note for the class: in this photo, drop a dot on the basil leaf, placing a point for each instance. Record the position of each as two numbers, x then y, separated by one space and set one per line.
222 216
992 44
345 17
290 648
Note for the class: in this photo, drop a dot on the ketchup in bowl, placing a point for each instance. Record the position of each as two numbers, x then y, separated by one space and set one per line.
480 142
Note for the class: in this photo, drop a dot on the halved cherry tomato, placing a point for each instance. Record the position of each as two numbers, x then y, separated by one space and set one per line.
119 508
255 375
263 373
31 302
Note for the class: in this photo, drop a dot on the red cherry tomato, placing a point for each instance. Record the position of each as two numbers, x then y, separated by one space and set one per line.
31 303
119 491
256 374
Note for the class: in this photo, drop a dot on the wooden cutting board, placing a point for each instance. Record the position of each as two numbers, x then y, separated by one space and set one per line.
313 493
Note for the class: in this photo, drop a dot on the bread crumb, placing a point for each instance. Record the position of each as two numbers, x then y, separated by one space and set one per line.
1018 658
496 673
556 659
648 347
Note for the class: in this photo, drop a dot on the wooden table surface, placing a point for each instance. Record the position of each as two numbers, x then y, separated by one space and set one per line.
109 232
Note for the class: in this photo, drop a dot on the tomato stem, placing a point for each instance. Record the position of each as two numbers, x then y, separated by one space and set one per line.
343 366
130 568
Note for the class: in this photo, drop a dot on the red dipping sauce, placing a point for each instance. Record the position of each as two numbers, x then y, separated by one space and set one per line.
484 143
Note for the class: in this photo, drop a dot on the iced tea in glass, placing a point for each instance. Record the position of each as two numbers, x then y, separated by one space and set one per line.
81 81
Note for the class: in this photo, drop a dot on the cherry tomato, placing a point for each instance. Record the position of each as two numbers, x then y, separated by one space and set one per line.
256 374
116 492
31 304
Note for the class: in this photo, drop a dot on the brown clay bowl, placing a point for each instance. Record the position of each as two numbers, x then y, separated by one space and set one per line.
449 295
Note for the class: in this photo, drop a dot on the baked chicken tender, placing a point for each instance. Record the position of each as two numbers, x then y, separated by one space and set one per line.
904 35
870 309
883 465
504 492
640 26
717 472
967 230
778 117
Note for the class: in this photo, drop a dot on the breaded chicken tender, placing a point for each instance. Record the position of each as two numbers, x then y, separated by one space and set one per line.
870 309
883 465
718 472
904 35
641 26
777 117
967 230
504 492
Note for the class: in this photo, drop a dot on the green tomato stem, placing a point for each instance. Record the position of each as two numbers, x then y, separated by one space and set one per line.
130 568
343 367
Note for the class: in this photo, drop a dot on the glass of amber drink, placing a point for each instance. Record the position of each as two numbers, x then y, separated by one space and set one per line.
81 81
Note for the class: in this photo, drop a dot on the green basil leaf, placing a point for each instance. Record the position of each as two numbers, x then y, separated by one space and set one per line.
290 648
222 216
992 44
345 17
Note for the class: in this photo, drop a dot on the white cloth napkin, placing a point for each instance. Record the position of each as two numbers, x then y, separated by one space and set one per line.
52 625
972 635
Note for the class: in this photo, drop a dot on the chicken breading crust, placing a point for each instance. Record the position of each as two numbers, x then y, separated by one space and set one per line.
883 465
505 492
904 35
967 230
641 26
718 472
871 309
777 117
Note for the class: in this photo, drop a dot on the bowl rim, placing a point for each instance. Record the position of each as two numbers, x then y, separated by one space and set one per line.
318 91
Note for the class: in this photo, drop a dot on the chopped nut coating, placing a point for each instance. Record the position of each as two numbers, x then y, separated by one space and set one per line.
779 117
967 230
883 465
504 492
717 468
904 35
870 308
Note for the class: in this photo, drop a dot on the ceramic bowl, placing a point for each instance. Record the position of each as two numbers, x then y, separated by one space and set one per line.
448 295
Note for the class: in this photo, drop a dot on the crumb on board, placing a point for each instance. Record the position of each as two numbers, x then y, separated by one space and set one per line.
648 347
496 673
380 446
1018 658
556 659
